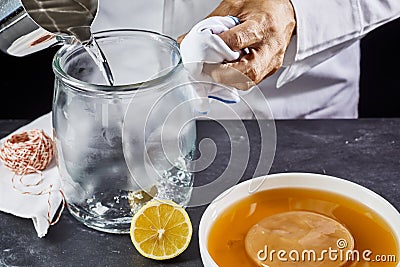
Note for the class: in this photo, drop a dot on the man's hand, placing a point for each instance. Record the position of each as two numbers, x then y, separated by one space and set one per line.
265 30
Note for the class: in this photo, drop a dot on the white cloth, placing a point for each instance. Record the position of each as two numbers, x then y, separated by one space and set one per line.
202 45
321 74
35 207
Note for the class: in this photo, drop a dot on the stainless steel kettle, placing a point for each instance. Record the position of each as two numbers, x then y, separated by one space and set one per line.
19 34
27 26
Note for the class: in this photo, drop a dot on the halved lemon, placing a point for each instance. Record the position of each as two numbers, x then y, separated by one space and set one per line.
161 230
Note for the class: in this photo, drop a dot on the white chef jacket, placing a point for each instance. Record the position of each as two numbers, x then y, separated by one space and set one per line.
320 76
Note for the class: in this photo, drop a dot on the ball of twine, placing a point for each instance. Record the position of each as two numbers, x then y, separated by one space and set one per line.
27 152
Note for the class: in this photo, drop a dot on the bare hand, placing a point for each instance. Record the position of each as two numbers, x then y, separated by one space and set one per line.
265 30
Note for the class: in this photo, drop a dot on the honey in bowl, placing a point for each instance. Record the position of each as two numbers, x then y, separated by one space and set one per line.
374 242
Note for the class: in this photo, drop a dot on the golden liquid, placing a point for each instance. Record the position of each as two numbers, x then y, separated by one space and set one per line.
226 239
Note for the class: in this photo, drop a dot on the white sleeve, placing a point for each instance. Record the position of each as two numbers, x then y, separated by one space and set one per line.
325 27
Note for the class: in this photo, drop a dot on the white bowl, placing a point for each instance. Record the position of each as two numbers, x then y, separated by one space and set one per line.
299 180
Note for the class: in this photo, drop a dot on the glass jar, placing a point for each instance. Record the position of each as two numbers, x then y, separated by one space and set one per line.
120 146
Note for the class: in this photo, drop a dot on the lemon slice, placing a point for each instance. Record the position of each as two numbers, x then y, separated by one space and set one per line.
161 230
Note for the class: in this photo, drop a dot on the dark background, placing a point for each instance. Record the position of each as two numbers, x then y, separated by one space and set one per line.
27 91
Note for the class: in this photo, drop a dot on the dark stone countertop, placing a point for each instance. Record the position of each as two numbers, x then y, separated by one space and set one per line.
365 151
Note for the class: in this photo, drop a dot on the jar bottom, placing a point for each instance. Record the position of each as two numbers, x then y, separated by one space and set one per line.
115 226
112 212
105 211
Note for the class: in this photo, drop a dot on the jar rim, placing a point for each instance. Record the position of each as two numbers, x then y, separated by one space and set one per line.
124 88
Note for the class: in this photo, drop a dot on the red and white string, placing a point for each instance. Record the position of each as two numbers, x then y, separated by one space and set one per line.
26 153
